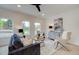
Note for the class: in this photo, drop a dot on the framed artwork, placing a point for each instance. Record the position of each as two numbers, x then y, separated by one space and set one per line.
58 23
58 26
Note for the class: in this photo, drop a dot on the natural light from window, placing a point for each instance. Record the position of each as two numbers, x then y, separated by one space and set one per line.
26 27
37 27
5 24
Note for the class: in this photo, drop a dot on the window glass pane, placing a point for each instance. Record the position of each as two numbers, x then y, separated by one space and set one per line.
26 27
5 24
37 27
1 24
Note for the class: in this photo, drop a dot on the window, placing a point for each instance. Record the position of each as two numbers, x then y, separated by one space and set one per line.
26 27
5 24
37 27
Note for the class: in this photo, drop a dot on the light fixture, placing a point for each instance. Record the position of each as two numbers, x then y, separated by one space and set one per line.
43 14
19 6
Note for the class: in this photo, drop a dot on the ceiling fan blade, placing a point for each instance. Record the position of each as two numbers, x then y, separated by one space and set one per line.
37 6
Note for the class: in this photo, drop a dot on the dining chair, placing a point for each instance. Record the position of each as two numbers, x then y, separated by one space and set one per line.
63 41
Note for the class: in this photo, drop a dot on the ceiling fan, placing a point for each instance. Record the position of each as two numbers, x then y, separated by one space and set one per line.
37 6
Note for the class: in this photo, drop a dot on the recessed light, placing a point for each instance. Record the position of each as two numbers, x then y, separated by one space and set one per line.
43 14
19 6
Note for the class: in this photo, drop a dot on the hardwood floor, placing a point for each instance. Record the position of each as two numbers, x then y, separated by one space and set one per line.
73 50
49 50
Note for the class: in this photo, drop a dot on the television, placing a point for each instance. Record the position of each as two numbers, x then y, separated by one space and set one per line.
20 30
50 27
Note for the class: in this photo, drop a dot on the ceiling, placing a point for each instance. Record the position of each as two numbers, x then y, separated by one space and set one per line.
46 9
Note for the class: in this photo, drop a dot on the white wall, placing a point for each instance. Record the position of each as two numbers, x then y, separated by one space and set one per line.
17 18
71 22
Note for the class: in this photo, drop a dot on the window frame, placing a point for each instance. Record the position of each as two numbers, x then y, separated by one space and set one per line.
7 29
29 26
35 31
